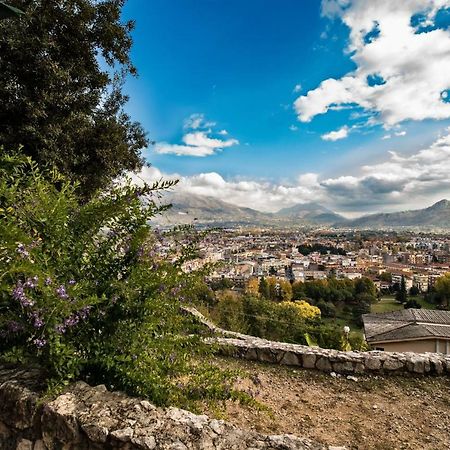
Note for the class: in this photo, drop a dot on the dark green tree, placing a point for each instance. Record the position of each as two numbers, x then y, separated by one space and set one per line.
402 295
263 289
62 67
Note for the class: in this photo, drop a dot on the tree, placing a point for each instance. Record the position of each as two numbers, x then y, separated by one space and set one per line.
414 291
62 68
263 289
402 296
442 289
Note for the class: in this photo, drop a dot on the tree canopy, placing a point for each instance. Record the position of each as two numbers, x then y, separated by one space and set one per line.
62 69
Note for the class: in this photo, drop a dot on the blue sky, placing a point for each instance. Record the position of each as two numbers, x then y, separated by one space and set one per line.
238 97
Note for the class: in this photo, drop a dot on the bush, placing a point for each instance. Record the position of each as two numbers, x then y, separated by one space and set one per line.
84 294
327 309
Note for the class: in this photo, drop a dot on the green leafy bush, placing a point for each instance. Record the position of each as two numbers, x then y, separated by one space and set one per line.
85 292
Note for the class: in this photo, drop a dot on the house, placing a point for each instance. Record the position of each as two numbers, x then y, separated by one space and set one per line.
409 330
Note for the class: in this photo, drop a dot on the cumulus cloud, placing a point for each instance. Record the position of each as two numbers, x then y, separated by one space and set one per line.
399 182
197 139
342 133
402 59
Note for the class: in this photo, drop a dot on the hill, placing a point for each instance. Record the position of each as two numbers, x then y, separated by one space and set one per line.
311 213
437 215
191 208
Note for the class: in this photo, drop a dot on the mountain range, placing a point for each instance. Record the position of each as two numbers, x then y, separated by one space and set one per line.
204 210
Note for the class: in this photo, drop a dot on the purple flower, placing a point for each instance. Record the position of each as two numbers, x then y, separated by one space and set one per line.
84 312
71 321
48 281
39 343
22 251
72 282
61 291
31 282
37 321
19 295
61 329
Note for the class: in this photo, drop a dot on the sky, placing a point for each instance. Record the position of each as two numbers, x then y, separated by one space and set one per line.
269 103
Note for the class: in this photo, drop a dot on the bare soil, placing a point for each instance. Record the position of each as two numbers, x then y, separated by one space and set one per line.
373 412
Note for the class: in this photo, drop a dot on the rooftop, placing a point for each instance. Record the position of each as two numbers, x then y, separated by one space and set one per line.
407 324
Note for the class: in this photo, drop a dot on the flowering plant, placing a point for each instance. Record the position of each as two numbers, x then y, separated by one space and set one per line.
84 293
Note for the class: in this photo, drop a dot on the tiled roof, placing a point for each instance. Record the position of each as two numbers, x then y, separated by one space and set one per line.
406 324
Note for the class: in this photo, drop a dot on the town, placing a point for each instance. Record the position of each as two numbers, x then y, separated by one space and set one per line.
384 257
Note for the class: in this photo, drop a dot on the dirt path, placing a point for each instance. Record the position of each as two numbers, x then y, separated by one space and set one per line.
370 413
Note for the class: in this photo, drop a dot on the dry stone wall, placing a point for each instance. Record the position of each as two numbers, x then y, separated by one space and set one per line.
92 418
325 360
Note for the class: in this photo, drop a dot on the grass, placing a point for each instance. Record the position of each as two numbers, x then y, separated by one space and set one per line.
388 304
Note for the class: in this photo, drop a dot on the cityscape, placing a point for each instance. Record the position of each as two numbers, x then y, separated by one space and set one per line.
225 224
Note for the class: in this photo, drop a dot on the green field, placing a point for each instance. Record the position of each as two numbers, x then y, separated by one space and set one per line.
388 303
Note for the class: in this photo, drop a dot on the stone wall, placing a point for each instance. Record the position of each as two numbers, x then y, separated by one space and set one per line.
86 417
374 362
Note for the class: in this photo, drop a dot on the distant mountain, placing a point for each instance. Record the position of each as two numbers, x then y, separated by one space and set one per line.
437 215
191 208
311 213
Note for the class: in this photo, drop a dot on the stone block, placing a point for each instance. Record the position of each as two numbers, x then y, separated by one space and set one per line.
392 364
372 363
290 359
323 364
24 444
309 360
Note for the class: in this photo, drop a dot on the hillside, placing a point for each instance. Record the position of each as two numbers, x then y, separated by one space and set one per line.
191 208
365 412
437 215
311 213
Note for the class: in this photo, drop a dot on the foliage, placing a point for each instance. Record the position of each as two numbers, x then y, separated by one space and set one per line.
401 295
303 309
306 249
412 303
442 289
83 292
414 291
62 68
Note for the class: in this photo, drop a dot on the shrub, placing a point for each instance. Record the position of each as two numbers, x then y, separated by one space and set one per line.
84 294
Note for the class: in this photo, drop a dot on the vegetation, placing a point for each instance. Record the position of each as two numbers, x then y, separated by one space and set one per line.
306 249
83 294
266 310
62 68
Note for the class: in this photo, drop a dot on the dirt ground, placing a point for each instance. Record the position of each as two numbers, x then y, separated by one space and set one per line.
373 412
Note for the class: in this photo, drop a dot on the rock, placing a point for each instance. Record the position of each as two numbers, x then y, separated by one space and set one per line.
309 360
289 359
24 444
323 364
123 435
372 363
39 445
352 378
392 364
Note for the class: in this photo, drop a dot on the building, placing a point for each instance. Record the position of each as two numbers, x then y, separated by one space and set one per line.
409 330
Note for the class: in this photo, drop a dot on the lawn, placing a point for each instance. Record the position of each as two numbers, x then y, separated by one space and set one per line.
388 303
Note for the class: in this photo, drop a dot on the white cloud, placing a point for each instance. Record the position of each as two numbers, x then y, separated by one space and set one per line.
297 88
411 67
386 136
293 127
400 133
399 182
342 133
197 140
201 139
419 178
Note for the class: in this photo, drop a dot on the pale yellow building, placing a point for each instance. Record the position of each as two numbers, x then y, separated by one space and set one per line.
409 330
